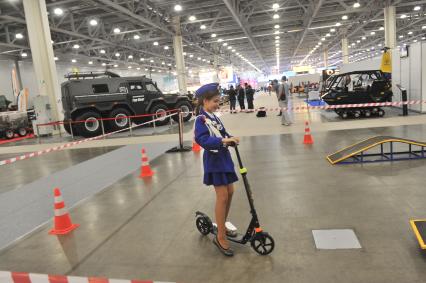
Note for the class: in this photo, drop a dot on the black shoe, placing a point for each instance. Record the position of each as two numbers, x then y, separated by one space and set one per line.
280 114
227 252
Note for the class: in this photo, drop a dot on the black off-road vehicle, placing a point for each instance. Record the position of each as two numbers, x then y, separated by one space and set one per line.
90 96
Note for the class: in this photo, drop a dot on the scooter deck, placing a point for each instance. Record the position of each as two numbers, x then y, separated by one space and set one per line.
238 239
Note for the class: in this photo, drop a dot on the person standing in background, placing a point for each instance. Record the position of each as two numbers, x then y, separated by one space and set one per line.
285 102
232 99
241 97
250 98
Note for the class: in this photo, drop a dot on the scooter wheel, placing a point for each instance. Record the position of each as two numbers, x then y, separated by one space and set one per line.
203 225
263 243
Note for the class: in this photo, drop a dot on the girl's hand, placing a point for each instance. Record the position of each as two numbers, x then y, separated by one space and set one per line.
231 141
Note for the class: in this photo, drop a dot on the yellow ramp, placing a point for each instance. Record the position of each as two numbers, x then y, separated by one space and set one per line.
365 145
419 228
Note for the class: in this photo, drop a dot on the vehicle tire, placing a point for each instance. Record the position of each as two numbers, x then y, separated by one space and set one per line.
367 113
160 110
357 114
381 113
344 114
120 119
22 132
91 127
263 243
204 225
9 134
186 109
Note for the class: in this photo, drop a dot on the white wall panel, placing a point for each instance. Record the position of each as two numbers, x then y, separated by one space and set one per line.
414 93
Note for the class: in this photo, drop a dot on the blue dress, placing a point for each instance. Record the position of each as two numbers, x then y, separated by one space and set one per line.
218 165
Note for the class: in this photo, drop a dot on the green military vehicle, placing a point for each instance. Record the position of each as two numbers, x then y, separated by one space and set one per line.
87 97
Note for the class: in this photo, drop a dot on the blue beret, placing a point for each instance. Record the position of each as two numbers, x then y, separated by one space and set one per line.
206 88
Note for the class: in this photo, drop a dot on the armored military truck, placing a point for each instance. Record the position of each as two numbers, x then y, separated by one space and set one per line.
87 97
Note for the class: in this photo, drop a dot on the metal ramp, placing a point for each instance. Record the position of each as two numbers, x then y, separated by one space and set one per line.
419 228
356 153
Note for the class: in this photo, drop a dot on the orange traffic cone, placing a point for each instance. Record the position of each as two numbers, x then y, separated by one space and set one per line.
63 224
195 146
145 168
308 137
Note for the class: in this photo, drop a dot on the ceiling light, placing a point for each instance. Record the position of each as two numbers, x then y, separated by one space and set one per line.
229 47
401 36
225 44
423 27
142 59
136 36
233 50
320 43
184 53
130 57
151 61
138 68
73 60
277 44
58 11
423 38
353 44
90 62
166 47
373 33
363 38
415 40
338 24
277 37
410 32
357 5
117 54
403 16
76 46
277 26
102 51
333 30
276 16
163 63
192 55
417 8
213 35
345 17
56 58
19 36
358 41
178 8
192 18
199 58
155 43
117 30
220 40
202 27
277 32
24 54
275 6
204 60
129 67
380 45
93 22
323 39
328 35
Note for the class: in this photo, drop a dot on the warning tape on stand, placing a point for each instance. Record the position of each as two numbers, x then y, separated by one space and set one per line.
23 277
327 107
57 148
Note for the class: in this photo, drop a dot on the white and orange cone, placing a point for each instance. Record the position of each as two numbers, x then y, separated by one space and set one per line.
63 223
307 139
145 168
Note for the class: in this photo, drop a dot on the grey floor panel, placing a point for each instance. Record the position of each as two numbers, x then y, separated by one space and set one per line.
146 229
29 206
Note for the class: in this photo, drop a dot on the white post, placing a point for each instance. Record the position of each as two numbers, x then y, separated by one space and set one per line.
180 61
345 50
390 27
42 52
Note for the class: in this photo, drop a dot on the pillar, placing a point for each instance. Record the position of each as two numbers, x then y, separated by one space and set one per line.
180 61
390 27
42 53
345 50
18 74
325 58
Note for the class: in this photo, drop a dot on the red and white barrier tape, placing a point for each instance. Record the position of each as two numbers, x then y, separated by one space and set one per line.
22 277
326 107
57 148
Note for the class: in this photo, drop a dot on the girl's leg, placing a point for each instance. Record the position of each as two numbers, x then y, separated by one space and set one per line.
220 212
230 189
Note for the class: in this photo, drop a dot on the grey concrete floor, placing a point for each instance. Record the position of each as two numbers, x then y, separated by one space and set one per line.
146 229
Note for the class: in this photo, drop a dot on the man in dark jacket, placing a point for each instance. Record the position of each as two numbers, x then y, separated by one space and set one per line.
232 99
250 98
241 97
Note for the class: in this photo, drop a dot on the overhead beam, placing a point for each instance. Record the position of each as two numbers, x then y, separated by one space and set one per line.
309 18
243 25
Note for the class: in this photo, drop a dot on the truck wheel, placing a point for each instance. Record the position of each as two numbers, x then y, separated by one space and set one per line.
91 127
9 134
186 109
120 119
22 132
160 111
